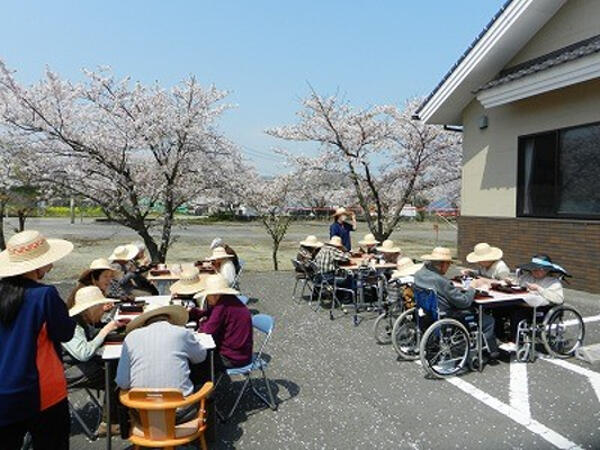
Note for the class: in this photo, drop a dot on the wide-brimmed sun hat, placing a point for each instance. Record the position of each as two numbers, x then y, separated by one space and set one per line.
177 315
484 252
439 254
543 262
369 239
216 285
30 250
388 247
87 297
340 211
124 253
219 253
336 241
99 264
189 282
405 267
311 241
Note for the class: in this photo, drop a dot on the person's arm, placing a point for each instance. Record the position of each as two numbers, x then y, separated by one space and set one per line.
195 352
80 348
502 271
353 221
553 293
457 297
215 320
195 314
342 257
60 326
123 378
228 272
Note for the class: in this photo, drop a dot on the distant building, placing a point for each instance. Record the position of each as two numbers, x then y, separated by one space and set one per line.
527 94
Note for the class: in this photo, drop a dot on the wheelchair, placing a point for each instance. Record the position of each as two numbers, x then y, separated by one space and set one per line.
560 329
391 308
409 327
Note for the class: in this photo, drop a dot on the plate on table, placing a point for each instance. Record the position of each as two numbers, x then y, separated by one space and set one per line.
160 272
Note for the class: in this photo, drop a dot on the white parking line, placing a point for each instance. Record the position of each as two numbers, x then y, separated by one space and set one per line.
519 387
585 320
554 438
593 377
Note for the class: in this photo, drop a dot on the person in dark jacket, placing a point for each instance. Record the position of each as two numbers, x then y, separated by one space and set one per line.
228 320
341 228
453 300
34 321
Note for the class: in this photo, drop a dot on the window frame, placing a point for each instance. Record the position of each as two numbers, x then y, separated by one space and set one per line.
557 175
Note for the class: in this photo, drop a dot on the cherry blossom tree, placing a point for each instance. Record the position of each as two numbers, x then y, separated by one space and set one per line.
387 156
137 151
269 198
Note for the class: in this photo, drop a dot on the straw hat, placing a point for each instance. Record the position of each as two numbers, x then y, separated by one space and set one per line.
311 241
30 250
340 211
439 254
405 267
189 283
484 252
97 264
369 239
178 315
216 284
86 297
124 253
219 253
388 247
336 241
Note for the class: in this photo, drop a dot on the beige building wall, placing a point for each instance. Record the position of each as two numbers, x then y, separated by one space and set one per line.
490 155
575 21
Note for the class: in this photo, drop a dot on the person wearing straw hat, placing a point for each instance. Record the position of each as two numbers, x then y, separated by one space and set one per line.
489 262
368 244
341 228
141 259
100 273
87 310
189 284
452 300
401 281
390 251
331 255
34 321
218 242
130 283
158 352
308 250
228 320
222 262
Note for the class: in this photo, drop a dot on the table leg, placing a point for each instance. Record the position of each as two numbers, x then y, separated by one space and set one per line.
108 405
211 407
480 338
533 333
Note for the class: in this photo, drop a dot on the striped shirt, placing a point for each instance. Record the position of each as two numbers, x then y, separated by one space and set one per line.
329 258
158 356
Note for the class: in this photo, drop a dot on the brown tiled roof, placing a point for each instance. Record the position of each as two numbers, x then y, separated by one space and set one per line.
545 62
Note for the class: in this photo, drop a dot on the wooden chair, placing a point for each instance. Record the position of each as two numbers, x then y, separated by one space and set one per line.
156 409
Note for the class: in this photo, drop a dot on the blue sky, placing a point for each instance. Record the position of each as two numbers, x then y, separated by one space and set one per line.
264 52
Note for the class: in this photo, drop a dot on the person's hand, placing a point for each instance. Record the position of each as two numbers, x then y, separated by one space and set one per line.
465 272
110 326
478 283
107 307
533 287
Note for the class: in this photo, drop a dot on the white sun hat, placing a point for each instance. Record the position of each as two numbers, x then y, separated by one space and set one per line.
369 239
336 241
87 297
189 282
219 253
405 267
311 241
216 285
177 315
388 247
340 211
439 254
97 264
30 250
484 252
124 253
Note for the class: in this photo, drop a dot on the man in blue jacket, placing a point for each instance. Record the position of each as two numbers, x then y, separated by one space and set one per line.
341 228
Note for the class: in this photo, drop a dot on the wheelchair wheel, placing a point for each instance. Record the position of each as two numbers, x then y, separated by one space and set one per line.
406 335
382 328
445 348
562 331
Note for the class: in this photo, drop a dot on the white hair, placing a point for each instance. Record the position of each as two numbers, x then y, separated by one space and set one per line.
217 242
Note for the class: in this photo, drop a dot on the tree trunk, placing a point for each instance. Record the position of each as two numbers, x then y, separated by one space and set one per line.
22 219
2 212
72 210
274 255
151 246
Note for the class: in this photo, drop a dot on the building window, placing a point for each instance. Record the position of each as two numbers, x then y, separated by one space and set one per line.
559 174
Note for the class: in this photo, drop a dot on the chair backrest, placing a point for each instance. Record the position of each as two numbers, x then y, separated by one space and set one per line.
265 324
157 407
298 266
427 300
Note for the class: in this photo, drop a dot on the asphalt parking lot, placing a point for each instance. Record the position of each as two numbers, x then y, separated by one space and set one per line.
338 389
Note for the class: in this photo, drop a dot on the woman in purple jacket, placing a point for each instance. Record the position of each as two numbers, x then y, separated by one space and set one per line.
228 320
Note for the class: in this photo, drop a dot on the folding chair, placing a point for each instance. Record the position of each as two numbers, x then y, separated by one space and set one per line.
264 324
302 276
156 409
